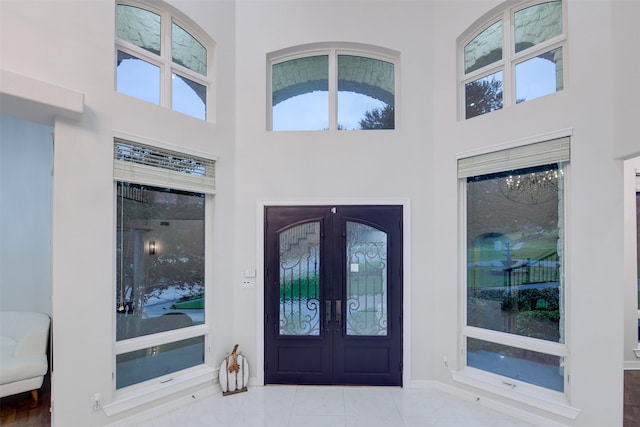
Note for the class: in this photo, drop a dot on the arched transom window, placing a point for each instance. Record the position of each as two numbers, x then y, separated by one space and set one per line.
514 56
327 87
162 59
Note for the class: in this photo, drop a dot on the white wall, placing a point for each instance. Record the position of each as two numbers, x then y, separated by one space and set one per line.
333 166
594 199
70 44
26 168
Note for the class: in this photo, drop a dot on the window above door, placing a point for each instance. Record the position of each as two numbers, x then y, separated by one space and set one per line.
332 87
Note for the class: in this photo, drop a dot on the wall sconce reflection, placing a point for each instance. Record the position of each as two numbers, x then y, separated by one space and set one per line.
152 247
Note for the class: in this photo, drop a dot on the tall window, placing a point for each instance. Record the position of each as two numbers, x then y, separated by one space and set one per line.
160 294
328 88
160 60
515 57
514 264
638 246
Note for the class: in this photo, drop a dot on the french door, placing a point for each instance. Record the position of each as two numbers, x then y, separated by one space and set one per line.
333 295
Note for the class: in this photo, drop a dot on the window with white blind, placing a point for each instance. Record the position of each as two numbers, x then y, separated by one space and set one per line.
514 55
163 211
163 59
512 266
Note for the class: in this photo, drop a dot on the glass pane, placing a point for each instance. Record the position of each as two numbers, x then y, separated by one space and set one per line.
484 49
187 51
160 260
539 76
152 362
300 94
514 252
188 97
138 78
300 280
537 24
138 26
365 93
483 95
528 366
366 304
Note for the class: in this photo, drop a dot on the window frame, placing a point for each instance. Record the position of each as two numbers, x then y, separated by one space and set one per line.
332 50
637 187
510 58
137 394
544 398
164 60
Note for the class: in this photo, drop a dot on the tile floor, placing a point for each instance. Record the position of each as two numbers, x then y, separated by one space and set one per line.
307 406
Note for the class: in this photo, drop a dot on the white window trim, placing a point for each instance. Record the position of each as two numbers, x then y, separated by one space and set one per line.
509 57
161 387
150 390
549 400
332 50
164 61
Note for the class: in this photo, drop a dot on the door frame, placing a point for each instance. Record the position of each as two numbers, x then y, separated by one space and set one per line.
406 270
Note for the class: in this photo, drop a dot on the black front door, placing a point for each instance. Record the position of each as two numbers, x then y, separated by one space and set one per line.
333 295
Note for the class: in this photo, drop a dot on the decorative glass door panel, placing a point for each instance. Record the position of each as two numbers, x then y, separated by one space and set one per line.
333 295
300 279
366 306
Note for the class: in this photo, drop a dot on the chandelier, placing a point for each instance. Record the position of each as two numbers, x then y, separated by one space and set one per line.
533 187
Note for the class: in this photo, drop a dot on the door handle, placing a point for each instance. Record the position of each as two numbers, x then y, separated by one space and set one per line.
327 312
338 311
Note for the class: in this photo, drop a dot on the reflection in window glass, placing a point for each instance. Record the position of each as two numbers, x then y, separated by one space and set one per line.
138 78
188 97
152 362
187 51
528 366
365 93
537 24
138 26
483 95
539 76
160 260
484 49
300 94
514 252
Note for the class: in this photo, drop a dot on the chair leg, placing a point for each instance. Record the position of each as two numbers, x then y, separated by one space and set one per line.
34 395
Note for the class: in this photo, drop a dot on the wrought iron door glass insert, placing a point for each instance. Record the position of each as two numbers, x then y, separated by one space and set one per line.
300 280
366 280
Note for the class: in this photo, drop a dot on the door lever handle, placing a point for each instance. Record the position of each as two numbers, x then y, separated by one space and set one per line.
327 311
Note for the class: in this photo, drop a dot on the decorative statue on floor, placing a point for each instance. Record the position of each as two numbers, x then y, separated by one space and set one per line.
233 360
234 373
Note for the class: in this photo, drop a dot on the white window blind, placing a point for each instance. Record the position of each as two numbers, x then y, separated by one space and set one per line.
159 167
540 153
637 182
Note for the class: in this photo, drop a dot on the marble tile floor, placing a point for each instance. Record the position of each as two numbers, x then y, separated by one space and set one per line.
311 406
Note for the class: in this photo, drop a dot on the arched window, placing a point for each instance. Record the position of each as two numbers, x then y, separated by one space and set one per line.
513 56
162 59
332 87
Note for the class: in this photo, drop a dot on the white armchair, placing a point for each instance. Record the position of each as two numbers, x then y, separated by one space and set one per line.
23 352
